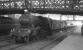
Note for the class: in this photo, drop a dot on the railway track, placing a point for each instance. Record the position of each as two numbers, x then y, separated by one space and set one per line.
35 45
56 41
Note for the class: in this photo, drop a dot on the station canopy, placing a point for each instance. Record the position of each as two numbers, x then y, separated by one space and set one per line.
12 6
73 7
56 6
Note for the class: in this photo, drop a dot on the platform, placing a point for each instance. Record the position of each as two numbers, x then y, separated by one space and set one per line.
73 42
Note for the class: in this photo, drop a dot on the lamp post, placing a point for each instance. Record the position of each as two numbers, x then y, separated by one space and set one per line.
74 17
60 20
49 21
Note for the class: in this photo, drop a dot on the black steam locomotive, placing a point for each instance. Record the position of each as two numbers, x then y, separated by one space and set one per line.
31 27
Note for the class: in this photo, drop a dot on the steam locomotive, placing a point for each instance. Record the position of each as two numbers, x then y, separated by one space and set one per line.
31 27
